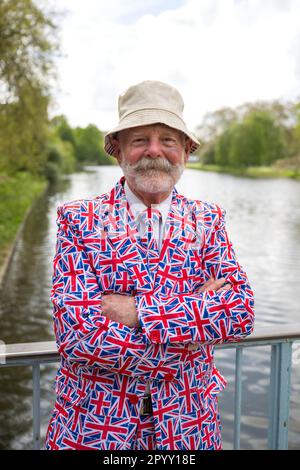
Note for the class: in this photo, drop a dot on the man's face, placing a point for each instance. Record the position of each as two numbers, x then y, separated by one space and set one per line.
152 157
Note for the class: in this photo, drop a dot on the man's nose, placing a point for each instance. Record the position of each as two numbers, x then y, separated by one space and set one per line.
154 148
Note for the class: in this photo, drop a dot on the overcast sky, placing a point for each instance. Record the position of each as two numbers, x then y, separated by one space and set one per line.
215 52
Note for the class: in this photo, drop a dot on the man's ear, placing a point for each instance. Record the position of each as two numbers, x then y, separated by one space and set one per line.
116 143
187 149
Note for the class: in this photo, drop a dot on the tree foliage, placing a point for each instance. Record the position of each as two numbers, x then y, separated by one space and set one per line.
254 134
89 145
29 140
68 147
27 45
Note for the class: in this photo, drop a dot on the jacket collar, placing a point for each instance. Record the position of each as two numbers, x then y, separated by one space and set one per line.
118 218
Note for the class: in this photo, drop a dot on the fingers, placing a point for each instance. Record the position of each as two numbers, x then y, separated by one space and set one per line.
226 287
207 285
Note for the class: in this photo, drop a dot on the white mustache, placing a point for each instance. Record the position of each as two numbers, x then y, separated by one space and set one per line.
145 163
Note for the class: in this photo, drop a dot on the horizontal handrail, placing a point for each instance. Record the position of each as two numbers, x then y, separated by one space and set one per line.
46 351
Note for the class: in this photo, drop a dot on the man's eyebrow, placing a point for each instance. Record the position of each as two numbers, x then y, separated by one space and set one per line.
170 134
137 133
163 133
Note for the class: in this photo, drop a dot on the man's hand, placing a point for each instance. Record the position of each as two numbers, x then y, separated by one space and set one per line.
120 308
214 284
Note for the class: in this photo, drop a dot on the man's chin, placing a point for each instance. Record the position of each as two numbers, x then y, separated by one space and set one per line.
160 184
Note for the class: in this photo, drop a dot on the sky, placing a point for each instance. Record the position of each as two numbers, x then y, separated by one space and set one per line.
217 53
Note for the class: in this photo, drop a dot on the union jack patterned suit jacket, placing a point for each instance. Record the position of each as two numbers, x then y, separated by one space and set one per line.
105 365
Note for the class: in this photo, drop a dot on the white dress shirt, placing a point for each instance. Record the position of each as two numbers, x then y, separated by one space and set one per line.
137 206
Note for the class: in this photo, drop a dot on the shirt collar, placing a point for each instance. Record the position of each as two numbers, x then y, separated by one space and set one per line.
137 206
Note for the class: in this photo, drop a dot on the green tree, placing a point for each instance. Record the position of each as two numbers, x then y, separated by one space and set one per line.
63 129
296 131
243 148
265 136
257 140
89 145
222 147
207 153
215 123
27 45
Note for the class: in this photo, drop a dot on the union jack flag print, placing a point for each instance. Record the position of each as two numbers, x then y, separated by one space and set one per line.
107 366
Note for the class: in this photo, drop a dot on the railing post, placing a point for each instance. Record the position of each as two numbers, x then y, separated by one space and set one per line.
36 403
279 395
272 399
238 397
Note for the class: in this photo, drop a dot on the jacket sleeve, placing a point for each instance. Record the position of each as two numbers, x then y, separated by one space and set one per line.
83 335
209 317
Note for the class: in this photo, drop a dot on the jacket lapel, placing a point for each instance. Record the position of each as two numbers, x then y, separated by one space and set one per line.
122 237
181 239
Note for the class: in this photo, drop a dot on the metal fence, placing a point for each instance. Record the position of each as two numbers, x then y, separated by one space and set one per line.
280 338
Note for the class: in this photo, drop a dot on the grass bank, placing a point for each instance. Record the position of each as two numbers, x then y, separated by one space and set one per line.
253 172
17 193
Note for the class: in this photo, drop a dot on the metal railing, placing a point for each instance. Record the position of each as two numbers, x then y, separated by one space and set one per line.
280 338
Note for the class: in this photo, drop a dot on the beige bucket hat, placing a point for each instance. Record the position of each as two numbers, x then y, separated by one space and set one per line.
149 102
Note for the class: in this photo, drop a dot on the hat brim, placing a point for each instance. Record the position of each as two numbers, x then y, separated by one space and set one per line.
145 117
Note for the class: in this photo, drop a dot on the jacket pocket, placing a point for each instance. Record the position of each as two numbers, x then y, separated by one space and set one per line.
71 389
216 384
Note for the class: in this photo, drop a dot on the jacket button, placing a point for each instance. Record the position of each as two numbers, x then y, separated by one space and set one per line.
133 399
169 377
155 336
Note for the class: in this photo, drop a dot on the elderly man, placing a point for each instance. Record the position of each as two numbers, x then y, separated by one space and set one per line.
145 283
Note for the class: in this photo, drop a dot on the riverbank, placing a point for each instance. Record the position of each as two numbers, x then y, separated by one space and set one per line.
17 194
251 172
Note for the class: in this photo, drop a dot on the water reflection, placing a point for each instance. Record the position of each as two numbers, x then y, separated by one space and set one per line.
263 221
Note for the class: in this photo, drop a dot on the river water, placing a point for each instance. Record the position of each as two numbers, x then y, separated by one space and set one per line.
263 221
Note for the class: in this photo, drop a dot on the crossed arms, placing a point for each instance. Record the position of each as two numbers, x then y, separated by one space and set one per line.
122 308
100 330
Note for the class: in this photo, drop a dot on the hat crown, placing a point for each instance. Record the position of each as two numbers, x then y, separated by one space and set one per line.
150 95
